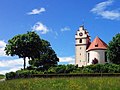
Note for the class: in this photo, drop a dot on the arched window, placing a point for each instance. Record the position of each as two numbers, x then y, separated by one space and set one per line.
88 57
80 41
105 56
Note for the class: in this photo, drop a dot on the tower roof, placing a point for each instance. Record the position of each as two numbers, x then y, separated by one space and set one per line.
97 44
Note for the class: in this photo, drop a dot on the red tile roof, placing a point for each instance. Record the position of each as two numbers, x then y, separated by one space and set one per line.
97 44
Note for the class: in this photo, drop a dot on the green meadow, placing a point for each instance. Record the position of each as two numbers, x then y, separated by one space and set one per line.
1 76
78 83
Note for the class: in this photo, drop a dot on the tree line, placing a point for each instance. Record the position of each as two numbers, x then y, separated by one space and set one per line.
43 58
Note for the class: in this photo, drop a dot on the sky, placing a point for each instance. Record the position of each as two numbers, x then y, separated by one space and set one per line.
57 22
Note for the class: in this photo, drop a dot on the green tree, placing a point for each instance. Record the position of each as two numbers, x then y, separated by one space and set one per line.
46 58
113 50
24 45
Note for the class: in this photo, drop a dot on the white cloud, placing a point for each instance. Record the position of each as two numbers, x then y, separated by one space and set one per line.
2 47
10 70
101 10
16 64
36 11
68 60
40 27
2 43
65 29
11 65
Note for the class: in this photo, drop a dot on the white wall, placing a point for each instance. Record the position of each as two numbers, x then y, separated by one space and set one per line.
80 48
80 57
98 54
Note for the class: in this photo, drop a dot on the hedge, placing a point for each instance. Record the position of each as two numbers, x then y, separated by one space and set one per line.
64 75
69 71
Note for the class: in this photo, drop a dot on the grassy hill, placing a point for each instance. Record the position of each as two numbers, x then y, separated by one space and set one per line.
78 83
1 76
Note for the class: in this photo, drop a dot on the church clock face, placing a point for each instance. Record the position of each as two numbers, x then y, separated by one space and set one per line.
81 34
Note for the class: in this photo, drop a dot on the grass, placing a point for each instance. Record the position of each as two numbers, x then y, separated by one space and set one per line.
1 76
78 83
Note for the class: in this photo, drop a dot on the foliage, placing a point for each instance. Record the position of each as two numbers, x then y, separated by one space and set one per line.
66 69
24 45
102 68
52 70
2 76
62 69
10 75
21 74
47 57
94 61
77 83
113 50
39 51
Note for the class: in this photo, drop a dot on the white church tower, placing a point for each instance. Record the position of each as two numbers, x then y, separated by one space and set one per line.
87 52
82 41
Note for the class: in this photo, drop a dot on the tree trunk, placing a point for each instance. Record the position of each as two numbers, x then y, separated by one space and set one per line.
24 63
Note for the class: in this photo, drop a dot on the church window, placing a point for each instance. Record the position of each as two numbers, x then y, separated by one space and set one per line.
96 45
105 56
88 57
80 41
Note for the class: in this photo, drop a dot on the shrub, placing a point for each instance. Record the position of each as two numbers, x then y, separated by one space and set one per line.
66 69
2 76
102 68
21 74
10 75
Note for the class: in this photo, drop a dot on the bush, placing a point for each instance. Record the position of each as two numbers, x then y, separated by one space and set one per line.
2 76
21 74
66 69
10 75
62 69
102 68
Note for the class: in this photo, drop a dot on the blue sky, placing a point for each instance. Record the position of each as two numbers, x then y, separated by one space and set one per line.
56 21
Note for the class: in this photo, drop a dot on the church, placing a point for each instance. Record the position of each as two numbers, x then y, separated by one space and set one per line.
87 52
